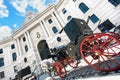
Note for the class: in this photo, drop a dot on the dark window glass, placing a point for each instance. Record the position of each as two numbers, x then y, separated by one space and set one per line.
15 69
94 18
1 51
69 18
54 29
50 21
26 48
2 75
12 46
24 39
64 10
83 7
106 26
114 2
14 56
1 62
59 39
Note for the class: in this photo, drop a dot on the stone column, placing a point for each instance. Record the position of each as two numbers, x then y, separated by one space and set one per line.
29 39
44 30
59 19
46 27
56 21
18 46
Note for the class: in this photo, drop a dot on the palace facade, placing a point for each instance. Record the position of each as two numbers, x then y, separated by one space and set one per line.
28 46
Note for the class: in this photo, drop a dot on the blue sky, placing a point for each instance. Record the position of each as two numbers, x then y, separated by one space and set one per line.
12 13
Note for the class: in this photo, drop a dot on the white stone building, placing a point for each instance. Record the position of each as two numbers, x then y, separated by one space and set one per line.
24 47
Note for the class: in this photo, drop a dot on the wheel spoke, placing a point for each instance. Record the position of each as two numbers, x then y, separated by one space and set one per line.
105 62
87 46
112 59
101 48
99 63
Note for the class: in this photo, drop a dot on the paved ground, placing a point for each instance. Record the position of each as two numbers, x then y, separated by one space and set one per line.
83 72
86 72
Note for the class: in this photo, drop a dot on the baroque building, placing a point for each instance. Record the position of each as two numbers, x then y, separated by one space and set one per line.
29 45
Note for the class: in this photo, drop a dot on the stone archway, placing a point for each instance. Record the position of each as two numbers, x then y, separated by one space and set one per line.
43 49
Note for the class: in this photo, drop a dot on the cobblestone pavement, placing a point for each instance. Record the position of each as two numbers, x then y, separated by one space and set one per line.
85 72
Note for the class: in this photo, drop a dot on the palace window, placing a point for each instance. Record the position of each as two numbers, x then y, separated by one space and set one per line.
1 62
24 39
59 39
64 11
83 7
69 18
12 46
14 56
2 75
54 29
106 26
114 2
1 51
50 21
94 18
26 48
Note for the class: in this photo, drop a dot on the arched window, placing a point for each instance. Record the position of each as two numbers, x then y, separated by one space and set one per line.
14 56
26 48
54 29
94 18
83 7
114 2
1 62
69 18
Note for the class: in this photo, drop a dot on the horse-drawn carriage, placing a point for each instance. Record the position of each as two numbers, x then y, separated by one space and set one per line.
101 51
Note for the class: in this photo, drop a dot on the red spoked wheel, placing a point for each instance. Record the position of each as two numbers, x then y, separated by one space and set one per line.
101 51
59 69
116 35
72 62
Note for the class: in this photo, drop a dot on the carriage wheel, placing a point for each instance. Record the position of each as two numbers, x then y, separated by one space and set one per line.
116 35
101 51
72 62
59 69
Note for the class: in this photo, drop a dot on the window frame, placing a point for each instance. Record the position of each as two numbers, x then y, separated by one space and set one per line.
54 29
1 51
14 56
2 74
1 62
50 21
12 46
114 2
69 18
24 39
94 18
26 48
83 7
64 11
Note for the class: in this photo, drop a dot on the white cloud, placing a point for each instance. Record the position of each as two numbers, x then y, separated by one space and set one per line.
5 31
15 25
3 10
47 2
39 5
20 5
